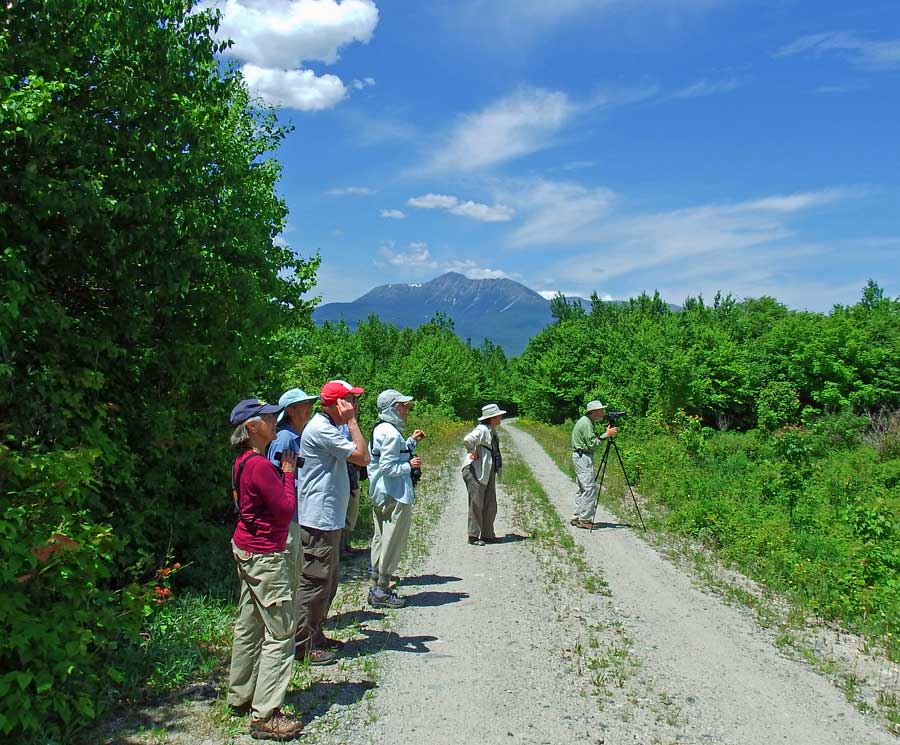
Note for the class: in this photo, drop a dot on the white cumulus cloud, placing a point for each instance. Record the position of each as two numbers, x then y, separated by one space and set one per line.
474 210
295 89
415 256
284 33
393 214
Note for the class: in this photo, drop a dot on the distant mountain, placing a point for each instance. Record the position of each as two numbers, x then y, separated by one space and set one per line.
504 311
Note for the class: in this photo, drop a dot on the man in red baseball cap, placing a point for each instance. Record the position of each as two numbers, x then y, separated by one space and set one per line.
324 493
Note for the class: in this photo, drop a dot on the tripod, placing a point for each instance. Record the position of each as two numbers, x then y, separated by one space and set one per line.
601 473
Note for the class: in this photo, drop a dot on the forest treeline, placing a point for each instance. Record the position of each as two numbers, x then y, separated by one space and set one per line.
143 292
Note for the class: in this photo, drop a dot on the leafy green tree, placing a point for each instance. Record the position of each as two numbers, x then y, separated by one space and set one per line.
140 282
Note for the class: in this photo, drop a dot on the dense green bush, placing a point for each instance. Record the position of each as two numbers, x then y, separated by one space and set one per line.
139 281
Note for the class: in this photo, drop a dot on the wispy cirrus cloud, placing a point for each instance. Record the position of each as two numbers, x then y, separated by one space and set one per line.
861 52
524 122
554 210
525 19
706 87
351 191
743 247
468 208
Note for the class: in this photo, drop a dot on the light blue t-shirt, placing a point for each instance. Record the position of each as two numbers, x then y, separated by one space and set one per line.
286 439
323 485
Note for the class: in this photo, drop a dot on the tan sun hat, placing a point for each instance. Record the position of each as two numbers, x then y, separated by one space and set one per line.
489 411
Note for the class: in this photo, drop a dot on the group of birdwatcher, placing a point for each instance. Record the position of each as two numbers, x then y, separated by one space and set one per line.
295 484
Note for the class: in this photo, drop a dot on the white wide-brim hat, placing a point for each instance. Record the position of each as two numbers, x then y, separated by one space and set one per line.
490 411
594 406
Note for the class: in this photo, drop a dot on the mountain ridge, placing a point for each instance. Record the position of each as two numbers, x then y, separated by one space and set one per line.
500 309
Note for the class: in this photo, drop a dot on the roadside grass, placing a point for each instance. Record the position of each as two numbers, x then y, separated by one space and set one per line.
187 642
553 545
602 651
789 615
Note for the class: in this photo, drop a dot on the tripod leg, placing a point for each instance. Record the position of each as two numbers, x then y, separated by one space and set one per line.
601 474
627 481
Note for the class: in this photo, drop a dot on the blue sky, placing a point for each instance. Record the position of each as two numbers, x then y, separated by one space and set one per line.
616 146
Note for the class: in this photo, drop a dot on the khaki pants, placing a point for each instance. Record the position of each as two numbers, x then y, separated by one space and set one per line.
392 522
586 481
352 514
482 505
318 581
294 548
262 655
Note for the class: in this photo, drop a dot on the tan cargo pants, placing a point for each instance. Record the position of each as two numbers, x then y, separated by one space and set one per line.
262 654
392 522
482 505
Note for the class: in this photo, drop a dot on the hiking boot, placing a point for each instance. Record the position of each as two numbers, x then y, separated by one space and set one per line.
473 541
582 523
379 598
276 727
315 657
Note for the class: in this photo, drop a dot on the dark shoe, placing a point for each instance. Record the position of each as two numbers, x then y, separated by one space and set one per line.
379 598
586 524
276 727
473 541
315 657
239 710
492 539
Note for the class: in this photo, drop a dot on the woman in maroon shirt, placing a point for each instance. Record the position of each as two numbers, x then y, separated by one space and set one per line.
262 655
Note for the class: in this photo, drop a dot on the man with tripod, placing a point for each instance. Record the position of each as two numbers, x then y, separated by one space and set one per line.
585 442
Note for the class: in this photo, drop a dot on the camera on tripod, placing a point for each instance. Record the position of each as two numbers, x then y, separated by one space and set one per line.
613 416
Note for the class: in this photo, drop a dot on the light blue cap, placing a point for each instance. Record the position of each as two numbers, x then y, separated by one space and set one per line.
294 396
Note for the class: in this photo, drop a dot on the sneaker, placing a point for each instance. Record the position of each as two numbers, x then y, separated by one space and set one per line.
379 598
473 541
276 727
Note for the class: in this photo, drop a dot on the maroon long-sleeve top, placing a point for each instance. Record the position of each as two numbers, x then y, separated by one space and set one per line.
267 505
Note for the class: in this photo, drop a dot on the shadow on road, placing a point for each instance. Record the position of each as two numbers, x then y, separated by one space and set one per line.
375 641
433 598
611 526
428 579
